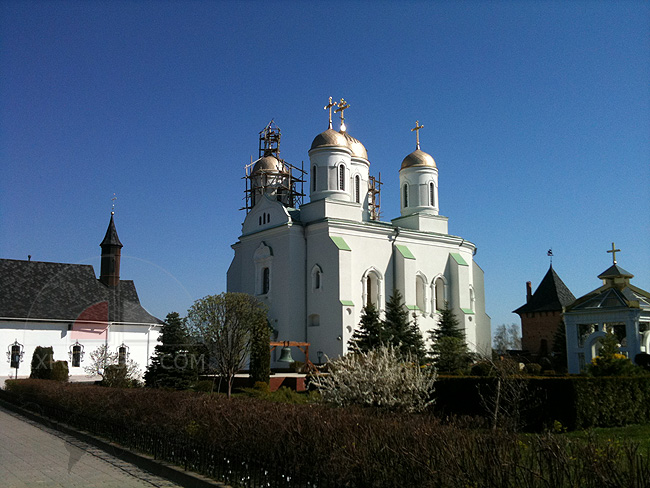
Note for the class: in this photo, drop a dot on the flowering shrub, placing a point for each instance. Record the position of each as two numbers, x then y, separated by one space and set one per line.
380 378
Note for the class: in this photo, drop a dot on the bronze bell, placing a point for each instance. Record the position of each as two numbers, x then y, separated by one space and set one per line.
285 355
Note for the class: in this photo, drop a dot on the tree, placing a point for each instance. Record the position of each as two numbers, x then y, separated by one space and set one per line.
559 349
173 364
106 364
449 351
100 359
260 364
382 378
370 334
399 331
225 325
506 337
42 361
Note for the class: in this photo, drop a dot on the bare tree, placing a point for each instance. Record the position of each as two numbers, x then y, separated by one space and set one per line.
506 337
224 324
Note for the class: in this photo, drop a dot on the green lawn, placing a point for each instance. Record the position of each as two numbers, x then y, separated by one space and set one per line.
635 433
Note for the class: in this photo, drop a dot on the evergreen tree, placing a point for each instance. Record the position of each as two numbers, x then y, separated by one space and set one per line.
399 331
448 325
172 365
42 361
449 351
370 335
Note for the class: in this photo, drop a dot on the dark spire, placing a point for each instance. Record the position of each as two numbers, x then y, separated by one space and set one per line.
551 294
111 239
111 254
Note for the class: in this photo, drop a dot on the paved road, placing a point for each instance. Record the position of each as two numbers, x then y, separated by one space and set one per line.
32 455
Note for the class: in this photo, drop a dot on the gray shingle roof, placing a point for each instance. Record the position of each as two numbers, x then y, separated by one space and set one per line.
551 294
41 290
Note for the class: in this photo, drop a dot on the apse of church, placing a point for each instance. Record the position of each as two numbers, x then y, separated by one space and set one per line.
314 249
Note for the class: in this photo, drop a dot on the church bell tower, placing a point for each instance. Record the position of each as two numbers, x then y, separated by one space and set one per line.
111 253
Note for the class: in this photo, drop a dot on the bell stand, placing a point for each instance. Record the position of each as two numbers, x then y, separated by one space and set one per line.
303 346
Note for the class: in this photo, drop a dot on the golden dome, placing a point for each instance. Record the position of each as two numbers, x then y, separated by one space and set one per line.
358 149
418 158
269 164
329 138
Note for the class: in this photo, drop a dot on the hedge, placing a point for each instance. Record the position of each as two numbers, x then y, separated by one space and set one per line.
575 401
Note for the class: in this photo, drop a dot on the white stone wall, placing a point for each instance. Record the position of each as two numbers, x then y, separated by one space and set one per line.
140 339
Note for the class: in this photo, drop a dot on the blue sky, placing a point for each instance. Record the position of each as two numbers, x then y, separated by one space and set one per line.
537 114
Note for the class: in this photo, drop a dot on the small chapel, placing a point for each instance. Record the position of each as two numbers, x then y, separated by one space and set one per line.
616 307
316 260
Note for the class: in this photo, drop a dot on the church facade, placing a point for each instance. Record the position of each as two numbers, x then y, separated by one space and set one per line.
317 264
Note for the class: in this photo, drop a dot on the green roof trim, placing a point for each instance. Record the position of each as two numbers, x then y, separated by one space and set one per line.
458 258
347 303
468 311
413 307
340 243
404 251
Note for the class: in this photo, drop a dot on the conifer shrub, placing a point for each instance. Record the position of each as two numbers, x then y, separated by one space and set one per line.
42 361
59 371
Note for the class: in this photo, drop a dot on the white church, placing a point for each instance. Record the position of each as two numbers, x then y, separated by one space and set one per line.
315 264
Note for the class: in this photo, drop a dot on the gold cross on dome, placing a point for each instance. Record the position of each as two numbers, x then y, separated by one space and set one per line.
417 133
614 251
342 106
329 106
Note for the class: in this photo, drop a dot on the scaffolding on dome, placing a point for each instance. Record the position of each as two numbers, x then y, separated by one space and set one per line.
279 181
374 197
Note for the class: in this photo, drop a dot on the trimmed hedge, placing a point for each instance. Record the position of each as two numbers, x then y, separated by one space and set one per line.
575 401
350 447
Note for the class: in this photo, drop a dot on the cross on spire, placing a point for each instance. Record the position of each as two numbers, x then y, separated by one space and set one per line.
613 250
342 106
417 133
329 106
113 207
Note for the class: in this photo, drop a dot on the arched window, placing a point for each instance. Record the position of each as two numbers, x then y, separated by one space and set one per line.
357 189
122 355
406 196
440 294
420 293
432 195
372 288
266 280
342 178
313 178
317 280
472 299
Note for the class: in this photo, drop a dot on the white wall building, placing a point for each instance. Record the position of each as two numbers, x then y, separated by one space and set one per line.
316 266
617 307
65 306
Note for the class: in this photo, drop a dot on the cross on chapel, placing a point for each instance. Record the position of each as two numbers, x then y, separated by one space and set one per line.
614 251
329 106
342 106
417 133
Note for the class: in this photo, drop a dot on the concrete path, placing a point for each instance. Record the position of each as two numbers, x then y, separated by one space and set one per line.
32 455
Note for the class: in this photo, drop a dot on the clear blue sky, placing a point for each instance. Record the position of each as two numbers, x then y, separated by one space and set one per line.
537 114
